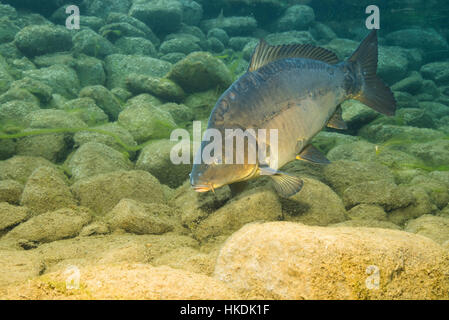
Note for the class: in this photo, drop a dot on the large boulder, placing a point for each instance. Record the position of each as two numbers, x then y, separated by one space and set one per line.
37 40
92 44
46 190
200 71
94 158
102 192
284 260
119 67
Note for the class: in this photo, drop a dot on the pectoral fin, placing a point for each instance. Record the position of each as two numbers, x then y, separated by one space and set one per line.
336 121
285 184
312 154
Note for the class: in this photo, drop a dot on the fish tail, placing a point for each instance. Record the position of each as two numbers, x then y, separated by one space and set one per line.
372 92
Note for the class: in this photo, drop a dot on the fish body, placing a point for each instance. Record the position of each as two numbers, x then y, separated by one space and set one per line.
297 90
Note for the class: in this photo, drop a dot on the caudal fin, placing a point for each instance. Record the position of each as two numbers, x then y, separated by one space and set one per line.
374 93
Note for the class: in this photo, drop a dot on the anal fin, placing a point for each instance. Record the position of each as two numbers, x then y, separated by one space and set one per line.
312 154
336 121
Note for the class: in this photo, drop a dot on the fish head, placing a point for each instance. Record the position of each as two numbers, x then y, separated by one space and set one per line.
208 177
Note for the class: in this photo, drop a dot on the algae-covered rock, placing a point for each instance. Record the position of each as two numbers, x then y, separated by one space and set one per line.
367 223
379 192
136 45
41 39
46 190
284 260
316 204
19 266
90 71
367 212
19 168
51 118
356 114
200 71
119 67
435 228
11 216
180 113
102 192
342 174
202 103
53 146
142 218
61 78
94 158
10 191
234 26
104 99
42 91
160 87
14 111
161 16
86 110
254 205
146 122
127 281
52 226
296 17
156 159
92 44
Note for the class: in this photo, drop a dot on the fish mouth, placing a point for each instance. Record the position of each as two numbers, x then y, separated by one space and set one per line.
203 188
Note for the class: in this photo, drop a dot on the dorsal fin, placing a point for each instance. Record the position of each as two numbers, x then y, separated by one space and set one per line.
264 54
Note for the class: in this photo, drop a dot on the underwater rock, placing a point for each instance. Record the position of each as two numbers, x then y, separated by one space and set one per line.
343 174
422 204
343 48
115 17
121 94
161 87
161 16
146 122
379 133
114 31
94 158
436 71
42 91
290 37
285 260
254 205
393 64
19 266
128 281
432 44
384 193
155 158
202 103
90 71
94 229
135 45
142 218
145 99
173 57
5 77
111 131
92 44
46 190
10 191
104 99
434 153
315 204
37 40
411 84
119 67
436 189
366 223
52 226
234 26
62 79
182 45
19 168
219 34
405 100
321 31
200 71
8 30
52 146
436 109
102 192
215 45
356 114
415 117
20 95
367 212
7 148
435 228
428 92
326 140
11 216
192 12
14 111
48 60
101 8
86 110
180 112
238 43
51 118
296 17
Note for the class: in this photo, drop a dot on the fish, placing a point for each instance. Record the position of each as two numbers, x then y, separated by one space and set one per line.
296 89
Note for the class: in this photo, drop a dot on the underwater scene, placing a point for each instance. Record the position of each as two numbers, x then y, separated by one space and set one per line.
117 180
